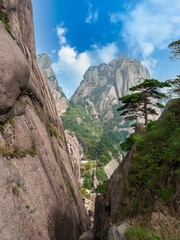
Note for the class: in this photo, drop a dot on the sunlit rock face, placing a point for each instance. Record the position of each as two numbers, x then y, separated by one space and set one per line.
101 88
75 151
59 96
104 84
40 198
20 15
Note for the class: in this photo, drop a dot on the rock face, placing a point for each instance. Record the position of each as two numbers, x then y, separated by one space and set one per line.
40 198
21 19
104 84
117 232
75 151
111 167
46 65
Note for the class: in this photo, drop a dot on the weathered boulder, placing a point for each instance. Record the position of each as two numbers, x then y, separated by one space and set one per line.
87 235
14 71
117 232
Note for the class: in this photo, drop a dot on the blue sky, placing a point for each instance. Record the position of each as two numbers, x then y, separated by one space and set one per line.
78 34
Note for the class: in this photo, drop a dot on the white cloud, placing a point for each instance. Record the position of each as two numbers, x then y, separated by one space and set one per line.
53 51
71 65
115 17
92 15
149 26
61 31
102 54
150 63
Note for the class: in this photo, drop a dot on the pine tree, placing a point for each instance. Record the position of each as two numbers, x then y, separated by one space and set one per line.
140 104
175 84
175 46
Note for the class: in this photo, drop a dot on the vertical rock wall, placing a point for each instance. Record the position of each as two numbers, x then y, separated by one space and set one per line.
39 196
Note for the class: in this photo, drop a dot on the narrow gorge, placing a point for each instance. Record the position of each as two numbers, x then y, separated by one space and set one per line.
64 173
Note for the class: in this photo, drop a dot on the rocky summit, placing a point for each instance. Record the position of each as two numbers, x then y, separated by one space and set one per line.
60 98
103 85
101 88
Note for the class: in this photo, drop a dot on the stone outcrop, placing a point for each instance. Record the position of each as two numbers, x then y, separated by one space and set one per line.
40 198
21 19
117 232
75 151
60 98
104 84
111 167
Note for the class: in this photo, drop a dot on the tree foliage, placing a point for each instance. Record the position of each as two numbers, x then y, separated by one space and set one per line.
140 104
175 84
175 46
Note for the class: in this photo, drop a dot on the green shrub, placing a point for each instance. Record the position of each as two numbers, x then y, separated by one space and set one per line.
84 193
11 121
19 153
4 18
38 113
101 175
154 166
53 132
102 187
140 233
88 181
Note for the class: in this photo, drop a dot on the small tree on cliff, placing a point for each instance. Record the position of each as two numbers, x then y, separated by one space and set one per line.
175 46
140 104
175 50
175 84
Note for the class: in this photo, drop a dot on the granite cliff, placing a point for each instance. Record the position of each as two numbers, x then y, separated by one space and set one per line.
21 19
40 198
101 88
104 84
60 98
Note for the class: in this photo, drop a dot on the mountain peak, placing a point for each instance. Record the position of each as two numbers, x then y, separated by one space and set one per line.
104 84
122 57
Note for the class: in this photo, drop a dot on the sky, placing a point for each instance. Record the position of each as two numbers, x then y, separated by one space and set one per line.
83 33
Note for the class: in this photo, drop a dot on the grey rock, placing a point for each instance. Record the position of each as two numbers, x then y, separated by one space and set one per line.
14 71
75 151
104 84
111 167
40 198
87 235
45 63
59 96
21 19
117 232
